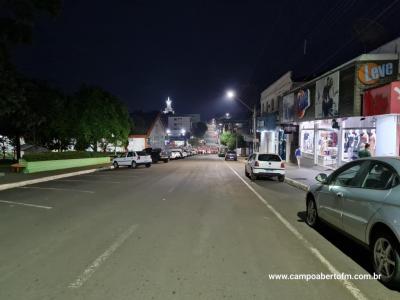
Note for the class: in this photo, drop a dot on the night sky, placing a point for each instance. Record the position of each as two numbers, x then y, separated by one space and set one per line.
143 51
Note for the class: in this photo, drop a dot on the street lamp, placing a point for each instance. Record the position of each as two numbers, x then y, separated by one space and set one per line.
183 131
227 115
168 131
230 94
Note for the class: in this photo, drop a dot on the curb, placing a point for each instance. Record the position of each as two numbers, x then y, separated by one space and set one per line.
12 185
297 184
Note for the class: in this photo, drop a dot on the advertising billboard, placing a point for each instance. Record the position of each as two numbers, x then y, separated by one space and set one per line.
327 96
287 108
303 102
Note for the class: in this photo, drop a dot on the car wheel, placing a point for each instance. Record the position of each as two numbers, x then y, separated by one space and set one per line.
148 165
245 172
115 164
166 160
281 178
133 165
312 213
253 176
386 259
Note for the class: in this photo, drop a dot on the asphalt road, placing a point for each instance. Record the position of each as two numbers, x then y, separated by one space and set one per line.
189 229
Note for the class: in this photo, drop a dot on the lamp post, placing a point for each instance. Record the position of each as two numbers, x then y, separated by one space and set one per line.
232 96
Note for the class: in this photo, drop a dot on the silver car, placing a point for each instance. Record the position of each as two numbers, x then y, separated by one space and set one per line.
362 199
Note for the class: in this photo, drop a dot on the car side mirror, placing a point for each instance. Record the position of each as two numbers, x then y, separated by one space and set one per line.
321 177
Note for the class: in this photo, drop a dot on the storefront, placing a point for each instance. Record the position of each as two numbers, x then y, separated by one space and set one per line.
346 108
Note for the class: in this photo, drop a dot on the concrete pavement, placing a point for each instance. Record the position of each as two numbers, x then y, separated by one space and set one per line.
189 229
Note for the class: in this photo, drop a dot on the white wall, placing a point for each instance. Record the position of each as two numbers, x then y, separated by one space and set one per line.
136 144
386 129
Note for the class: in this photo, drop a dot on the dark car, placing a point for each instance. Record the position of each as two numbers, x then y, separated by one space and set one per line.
231 155
157 154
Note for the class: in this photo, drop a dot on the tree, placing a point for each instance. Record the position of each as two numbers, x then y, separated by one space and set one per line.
17 21
100 118
231 140
16 24
199 129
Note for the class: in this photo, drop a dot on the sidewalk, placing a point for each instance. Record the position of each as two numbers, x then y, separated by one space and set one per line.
10 180
301 178
304 177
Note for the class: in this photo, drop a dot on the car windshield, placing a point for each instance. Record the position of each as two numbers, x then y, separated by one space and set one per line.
141 153
268 157
231 152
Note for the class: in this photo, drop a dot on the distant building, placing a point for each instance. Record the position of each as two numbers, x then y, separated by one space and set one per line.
148 131
179 125
195 117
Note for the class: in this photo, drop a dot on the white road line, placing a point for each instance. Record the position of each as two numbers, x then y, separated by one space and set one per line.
83 180
55 189
347 284
89 271
26 204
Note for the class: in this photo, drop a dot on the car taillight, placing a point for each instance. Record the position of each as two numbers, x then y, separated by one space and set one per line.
282 165
256 164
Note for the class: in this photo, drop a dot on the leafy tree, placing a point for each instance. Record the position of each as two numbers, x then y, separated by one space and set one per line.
230 139
17 21
100 118
199 129
16 24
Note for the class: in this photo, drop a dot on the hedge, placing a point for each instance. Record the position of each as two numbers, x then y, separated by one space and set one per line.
63 155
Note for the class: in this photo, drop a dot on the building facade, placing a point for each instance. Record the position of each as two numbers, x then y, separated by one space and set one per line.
179 125
148 131
331 117
272 137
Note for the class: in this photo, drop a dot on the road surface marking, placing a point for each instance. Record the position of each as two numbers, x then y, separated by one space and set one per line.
347 284
26 204
55 189
85 180
171 190
89 271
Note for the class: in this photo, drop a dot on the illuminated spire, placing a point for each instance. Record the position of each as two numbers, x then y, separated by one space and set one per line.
168 109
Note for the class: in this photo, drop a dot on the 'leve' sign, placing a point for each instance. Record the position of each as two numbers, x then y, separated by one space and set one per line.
370 73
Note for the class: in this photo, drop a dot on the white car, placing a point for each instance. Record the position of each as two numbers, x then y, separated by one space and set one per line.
175 154
132 159
265 165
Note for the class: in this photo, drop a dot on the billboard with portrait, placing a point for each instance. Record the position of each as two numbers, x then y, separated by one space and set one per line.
327 96
303 102
288 108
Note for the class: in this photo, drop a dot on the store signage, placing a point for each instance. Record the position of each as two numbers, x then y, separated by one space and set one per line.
303 102
371 73
288 129
382 100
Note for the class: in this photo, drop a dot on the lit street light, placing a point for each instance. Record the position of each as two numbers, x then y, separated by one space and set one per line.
230 94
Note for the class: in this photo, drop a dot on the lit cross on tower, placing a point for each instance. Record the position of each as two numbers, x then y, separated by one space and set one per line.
168 109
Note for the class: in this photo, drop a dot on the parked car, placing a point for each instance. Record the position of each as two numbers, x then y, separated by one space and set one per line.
265 165
361 199
176 153
132 159
157 154
231 155
165 156
184 154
